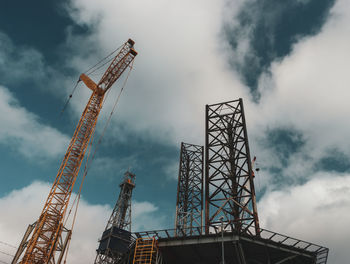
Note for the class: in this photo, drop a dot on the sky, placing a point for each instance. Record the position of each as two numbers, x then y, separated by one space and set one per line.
288 60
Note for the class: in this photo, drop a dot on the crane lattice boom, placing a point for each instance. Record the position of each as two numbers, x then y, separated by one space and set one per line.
44 241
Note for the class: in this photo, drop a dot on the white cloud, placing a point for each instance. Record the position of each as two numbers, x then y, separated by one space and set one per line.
181 64
19 63
146 216
22 207
107 167
307 91
172 170
26 66
316 212
23 131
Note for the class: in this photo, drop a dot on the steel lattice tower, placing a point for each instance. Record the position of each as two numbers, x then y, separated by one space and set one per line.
117 235
189 204
230 194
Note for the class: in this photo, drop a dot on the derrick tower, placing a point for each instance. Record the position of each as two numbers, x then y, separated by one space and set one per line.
229 185
189 202
116 238
233 234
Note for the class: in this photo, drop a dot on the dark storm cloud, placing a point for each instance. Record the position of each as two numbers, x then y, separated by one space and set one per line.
268 29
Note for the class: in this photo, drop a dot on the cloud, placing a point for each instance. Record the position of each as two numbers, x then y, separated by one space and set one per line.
172 170
264 31
19 63
315 211
146 216
107 167
22 130
22 207
185 67
25 66
306 93
181 64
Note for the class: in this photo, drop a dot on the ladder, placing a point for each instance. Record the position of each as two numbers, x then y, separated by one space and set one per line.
145 251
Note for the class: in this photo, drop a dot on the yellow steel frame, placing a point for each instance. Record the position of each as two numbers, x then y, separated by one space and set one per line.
45 239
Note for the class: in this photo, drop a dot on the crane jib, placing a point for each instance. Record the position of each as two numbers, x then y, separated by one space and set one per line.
43 244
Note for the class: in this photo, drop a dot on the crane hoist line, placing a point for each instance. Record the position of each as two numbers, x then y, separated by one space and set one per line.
44 242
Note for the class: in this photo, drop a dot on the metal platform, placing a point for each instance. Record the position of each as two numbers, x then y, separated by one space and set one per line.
268 248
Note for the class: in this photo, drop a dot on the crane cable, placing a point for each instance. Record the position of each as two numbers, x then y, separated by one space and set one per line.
87 165
5 253
89 71
88 162
69 97
7 244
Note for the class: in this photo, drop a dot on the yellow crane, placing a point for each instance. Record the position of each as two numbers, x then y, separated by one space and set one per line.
46 237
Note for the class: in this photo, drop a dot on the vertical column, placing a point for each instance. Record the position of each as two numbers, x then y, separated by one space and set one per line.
230 193
189 204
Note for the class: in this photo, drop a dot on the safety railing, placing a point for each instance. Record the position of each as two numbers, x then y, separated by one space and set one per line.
264 234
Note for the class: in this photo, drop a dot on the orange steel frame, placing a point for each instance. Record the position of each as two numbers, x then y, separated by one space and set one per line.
44 241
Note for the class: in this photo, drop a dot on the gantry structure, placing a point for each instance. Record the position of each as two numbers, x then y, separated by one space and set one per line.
116 237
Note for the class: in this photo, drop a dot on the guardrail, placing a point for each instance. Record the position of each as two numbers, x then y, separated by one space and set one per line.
321 252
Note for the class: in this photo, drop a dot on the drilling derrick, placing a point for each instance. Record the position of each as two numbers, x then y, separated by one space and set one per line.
230 194
46 239
117 235
189 206
232 232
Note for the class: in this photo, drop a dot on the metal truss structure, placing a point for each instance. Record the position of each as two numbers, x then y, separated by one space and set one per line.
230 194
189 203
116 238
44 244
232 228
61 244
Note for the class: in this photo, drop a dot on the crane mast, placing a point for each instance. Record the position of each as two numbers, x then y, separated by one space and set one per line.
43 243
